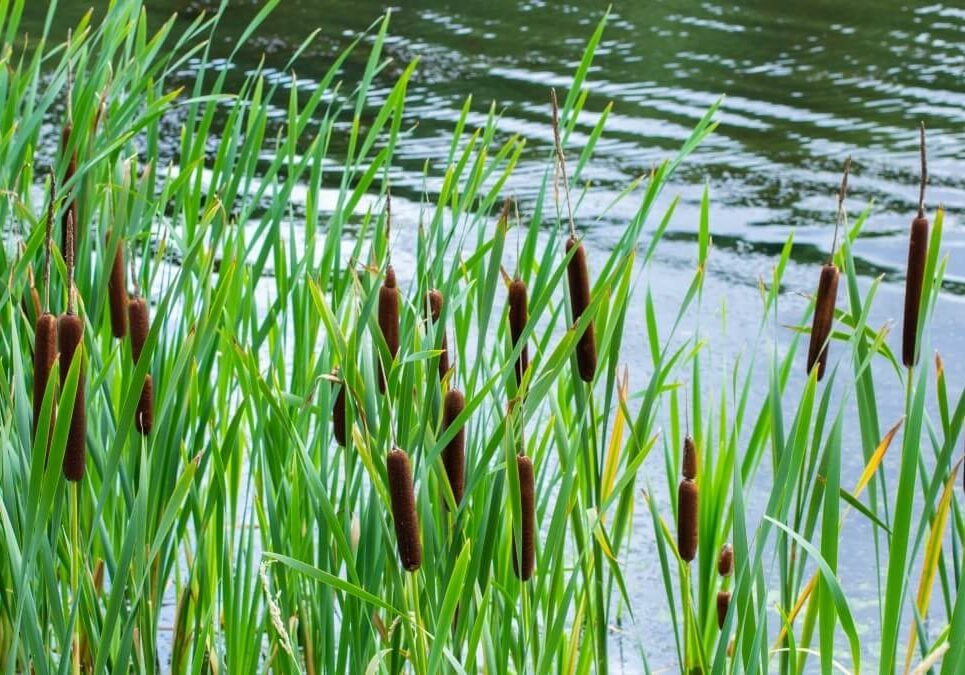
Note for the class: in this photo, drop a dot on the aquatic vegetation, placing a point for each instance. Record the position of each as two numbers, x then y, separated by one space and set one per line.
237 496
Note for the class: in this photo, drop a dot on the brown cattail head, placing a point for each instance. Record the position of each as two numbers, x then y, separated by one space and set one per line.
579 279
917 255
434 301
723 604
140 325
389 317
338 415
518 316
403 509
823 318
70 332
725 562
70 213
690 458
144 417
45 351
523 564
117 289
687 520
454 454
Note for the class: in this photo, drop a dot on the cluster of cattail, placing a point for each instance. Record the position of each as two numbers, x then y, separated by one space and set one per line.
725 566
687 507
915 278
827 294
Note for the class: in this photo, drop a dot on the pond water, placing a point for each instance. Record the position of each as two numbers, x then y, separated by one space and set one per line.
806 84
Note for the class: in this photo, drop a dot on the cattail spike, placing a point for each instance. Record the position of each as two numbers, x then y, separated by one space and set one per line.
139 325
687 516
144 417
434 302
454 454
725 562
70 331
723 604
823 319
403 509
690 458
523 564
518 316
914 281
338 416
579 281
117 289
45 352
389 318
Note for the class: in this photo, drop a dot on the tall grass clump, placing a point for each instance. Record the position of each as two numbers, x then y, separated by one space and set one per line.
280 357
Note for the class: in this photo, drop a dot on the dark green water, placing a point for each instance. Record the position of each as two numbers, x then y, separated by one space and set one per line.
807 83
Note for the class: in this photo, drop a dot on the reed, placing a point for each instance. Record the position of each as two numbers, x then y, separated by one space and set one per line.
687 515
579 283
117 288
915 271
525 562
338 415
518 316
404 514
454 454
434 302
389 319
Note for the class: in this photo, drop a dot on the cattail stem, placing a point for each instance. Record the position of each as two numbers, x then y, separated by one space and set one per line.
579 283
524 561
454 454
561 159
404 513
687 517
518 317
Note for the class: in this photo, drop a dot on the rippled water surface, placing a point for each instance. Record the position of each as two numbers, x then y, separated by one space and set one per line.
806 84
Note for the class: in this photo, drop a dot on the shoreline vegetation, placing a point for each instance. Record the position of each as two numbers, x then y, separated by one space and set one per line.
330 462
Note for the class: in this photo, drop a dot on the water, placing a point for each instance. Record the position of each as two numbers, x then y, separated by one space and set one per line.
806 84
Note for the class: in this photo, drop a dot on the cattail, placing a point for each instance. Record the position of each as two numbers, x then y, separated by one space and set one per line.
117 290
723 604
434 300
338 415
144 417
518 316
70 213
579 279
914 280
70 331
137 317
725 562
690 458
687 520
389 317
823 318
454 454
403 509
523 565
917 254
45 351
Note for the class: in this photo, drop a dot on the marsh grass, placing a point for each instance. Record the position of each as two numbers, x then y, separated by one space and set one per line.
274 541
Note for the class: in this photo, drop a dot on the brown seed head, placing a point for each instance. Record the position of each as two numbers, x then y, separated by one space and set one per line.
70 331
140 326
144 416
579 282
723 604
338 416
45 351
523 565
690 458
914 281
823 318
403 509
687 515
454 454
389 317
117 290
725 562
434 300
518 316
